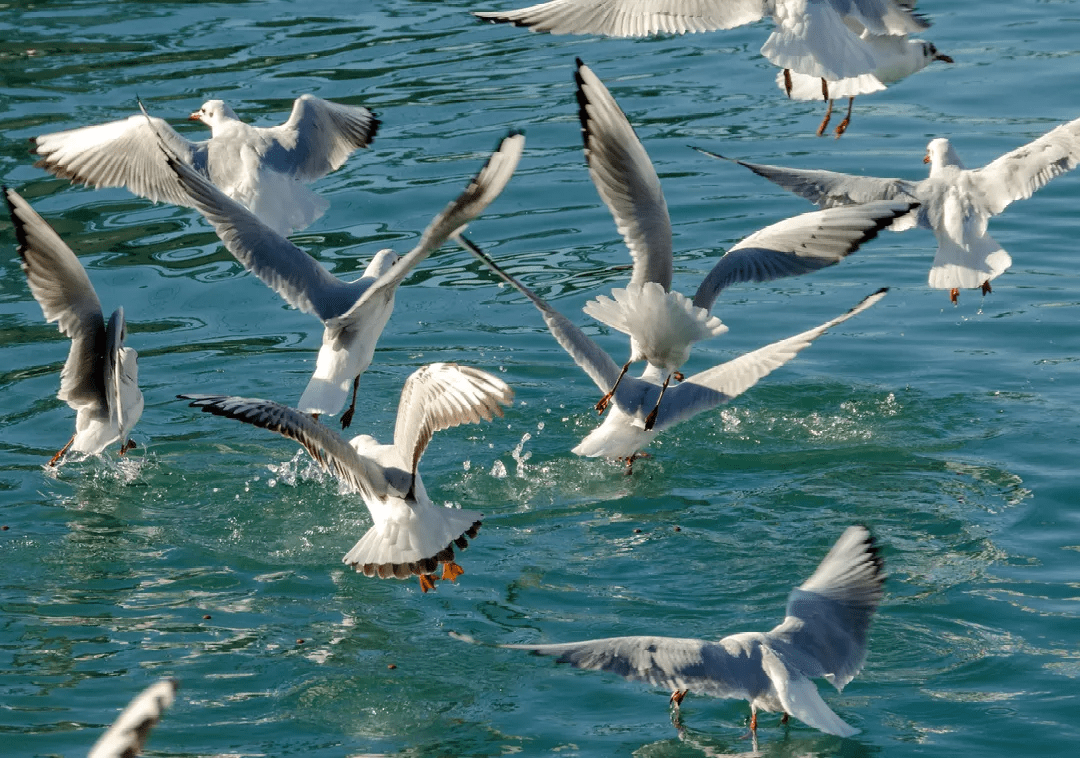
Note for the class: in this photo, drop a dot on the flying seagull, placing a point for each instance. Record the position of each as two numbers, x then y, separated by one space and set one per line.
823 634
126 737
410 535
100 379
263 169
815 38
353 313
956 203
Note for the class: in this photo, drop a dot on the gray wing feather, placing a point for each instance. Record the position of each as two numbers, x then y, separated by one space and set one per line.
619 18
63 290
318 137
440 396
587 354
122 154
828 615
625 178
127 735
684 664
1018 174
325 445
482 190
281 265
799 245
720 384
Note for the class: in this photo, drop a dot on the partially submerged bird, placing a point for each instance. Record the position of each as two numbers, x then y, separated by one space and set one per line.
624 432
663 325
100 379
353 313
896 57
823 634
127 735
821 39
954 202
263 169
410 535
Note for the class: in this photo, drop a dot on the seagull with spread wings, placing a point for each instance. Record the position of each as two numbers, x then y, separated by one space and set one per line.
353 313
824 634
410 535
955 203
100 379
263 169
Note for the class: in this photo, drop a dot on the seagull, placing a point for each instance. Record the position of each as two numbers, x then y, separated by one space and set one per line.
410 535
823 634
100 379
896 57
126 737
353 313
956 203
816 38
663 325
263 169
623 433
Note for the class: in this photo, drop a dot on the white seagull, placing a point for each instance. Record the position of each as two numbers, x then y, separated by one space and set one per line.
816 38
896 57
823 634
955 203
126 737
263 169
663 325
624 432
100 379
410 535
353 313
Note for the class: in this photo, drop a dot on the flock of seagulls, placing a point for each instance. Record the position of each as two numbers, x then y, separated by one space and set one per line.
249 183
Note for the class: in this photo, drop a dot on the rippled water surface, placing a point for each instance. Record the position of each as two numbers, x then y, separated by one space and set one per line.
212 553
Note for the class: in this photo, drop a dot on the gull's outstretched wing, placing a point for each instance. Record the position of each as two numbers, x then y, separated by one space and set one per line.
482 190
121 154
625 178
830 188
1018 174
318 137
587 354
442 395
126 737
326 446
828 616
799 245
712 387
630 18
280 264
674 664
63 290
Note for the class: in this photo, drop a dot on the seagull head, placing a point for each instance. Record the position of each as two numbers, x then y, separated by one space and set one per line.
381 263
940 154
214 113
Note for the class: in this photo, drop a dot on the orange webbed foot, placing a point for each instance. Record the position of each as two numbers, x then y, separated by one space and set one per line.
451 570
427 582
954 295
986 287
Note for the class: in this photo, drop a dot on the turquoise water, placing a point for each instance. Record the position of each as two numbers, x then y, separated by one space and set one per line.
209 552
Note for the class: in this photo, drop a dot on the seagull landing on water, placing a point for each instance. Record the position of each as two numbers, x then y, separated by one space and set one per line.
353 313
823 634
100 380
954 202
823 40
410 534
896 57
263 169
126 737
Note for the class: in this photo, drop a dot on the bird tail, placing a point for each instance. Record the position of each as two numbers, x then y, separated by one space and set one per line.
649 314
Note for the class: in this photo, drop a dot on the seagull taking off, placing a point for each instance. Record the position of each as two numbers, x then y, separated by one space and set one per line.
353 313
954 202
263 169
411 535
126 737
823 634
100 379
